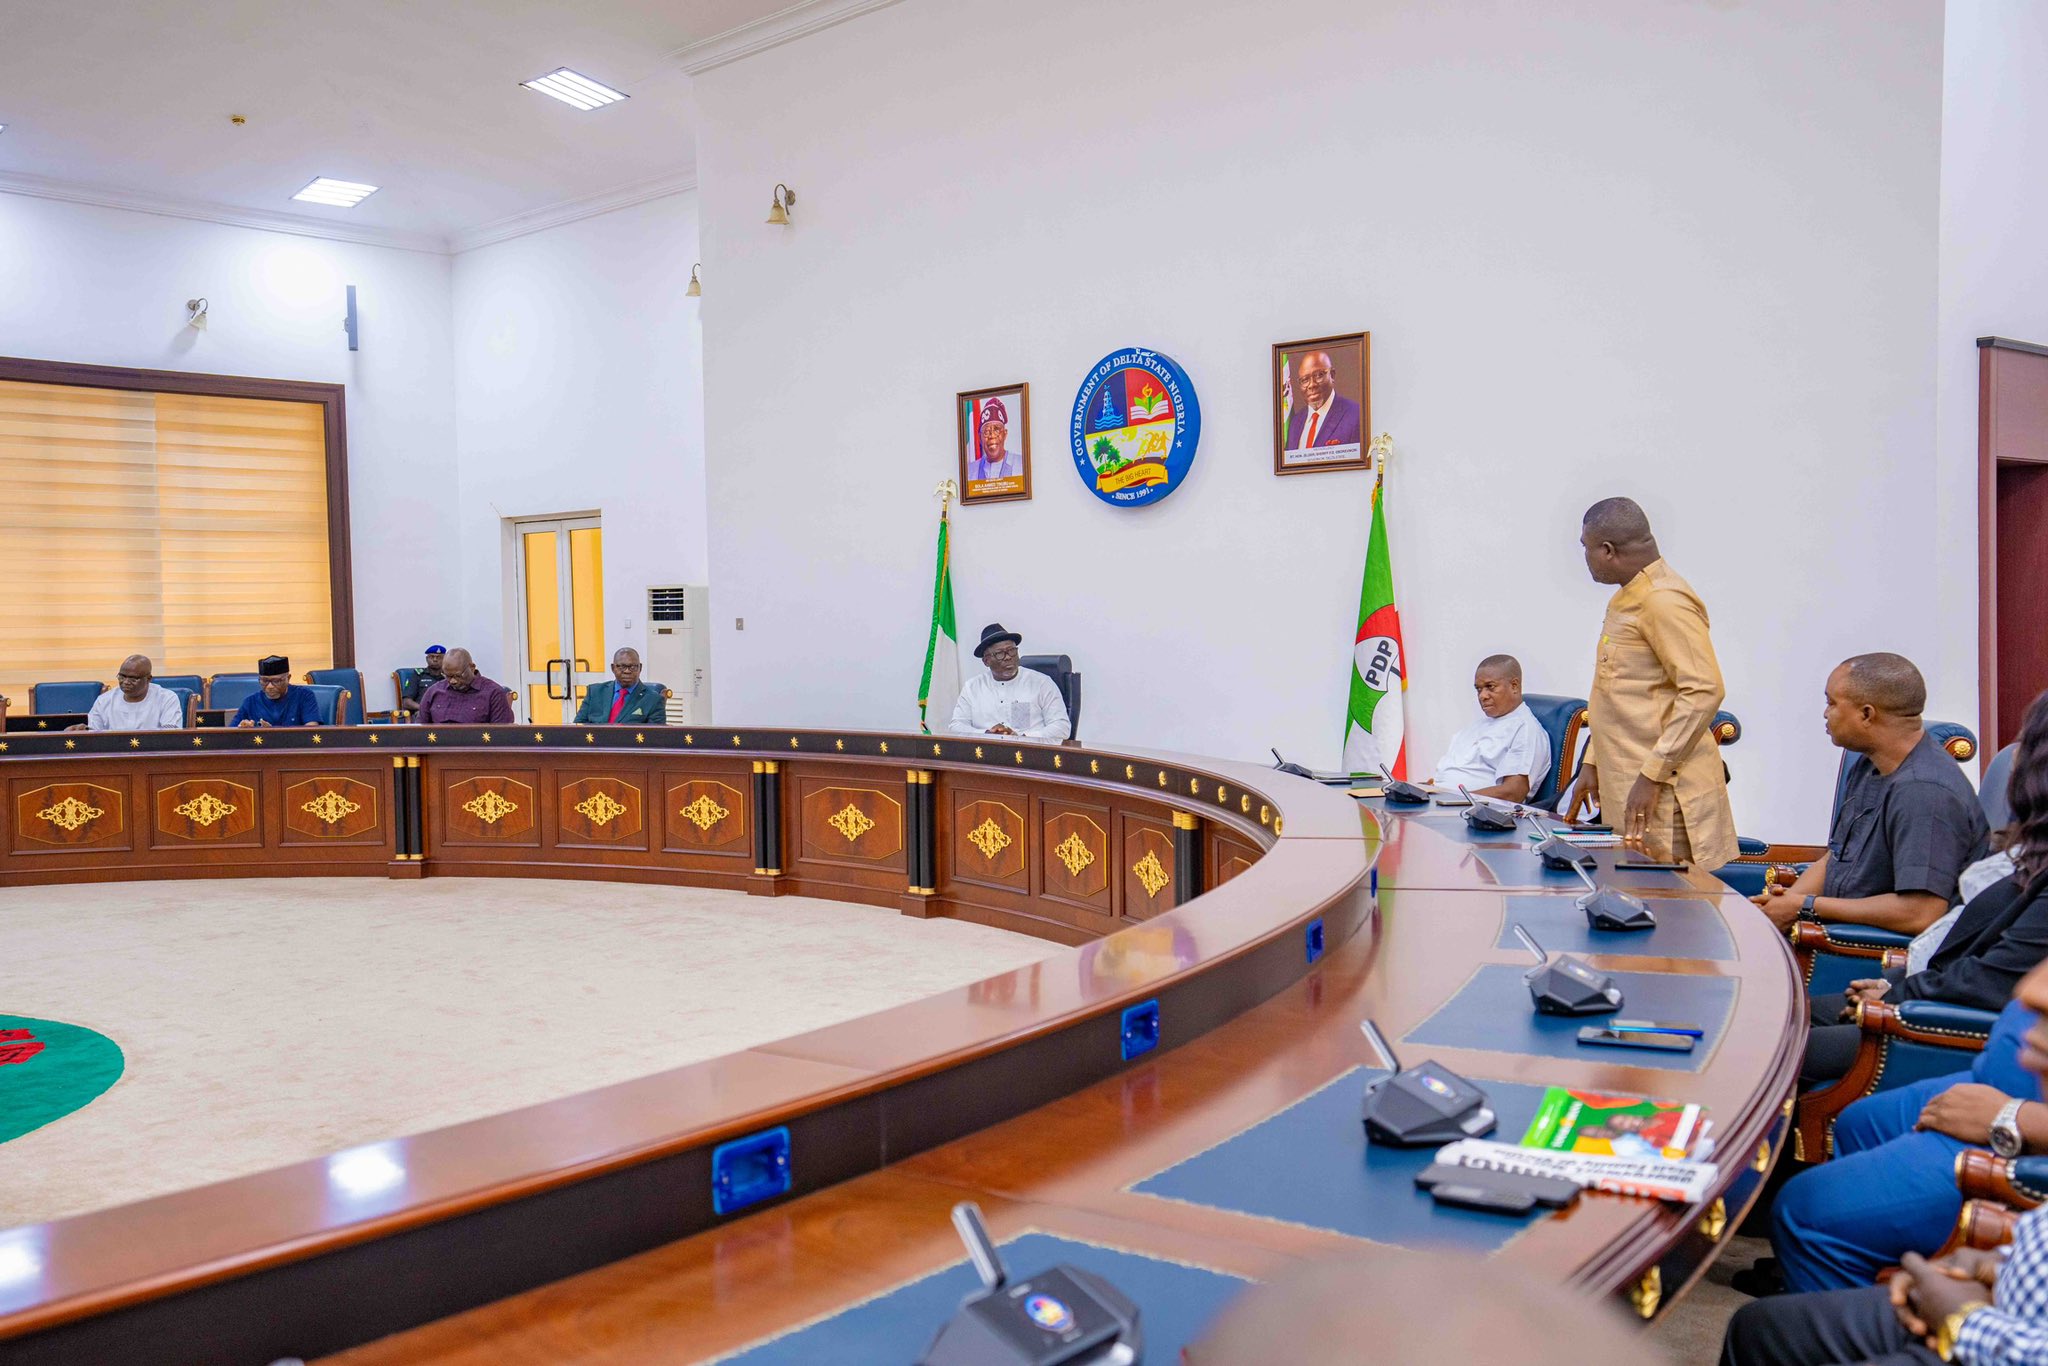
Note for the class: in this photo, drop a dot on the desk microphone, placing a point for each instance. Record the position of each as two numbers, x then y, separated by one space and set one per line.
1480 816
1399 793
1560 854
1423 1106
1062 1317
1565 985
1296 769
1607 908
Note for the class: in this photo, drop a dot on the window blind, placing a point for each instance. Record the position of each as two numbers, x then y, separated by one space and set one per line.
186 527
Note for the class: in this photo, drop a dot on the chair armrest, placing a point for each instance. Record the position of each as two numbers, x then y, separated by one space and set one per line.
1984 1226
1749 846
1809 938
1901 1044
2019 1183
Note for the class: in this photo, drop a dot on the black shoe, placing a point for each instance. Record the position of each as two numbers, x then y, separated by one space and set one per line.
1760 1280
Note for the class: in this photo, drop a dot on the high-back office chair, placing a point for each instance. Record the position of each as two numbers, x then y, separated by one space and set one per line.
226 692
191 683
332 700
351 679
188 700
45 698
1060 669
1564 720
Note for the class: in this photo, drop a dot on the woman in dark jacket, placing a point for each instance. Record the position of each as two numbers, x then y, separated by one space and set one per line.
2000 936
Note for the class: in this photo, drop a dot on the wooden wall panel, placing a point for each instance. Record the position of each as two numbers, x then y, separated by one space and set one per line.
1074 862
1228 856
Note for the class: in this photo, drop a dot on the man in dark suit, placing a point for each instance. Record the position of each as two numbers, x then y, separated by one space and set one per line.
625 701
1321 416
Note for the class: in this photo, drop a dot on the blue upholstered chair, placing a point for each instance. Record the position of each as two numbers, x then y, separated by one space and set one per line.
1903 1043
1060 669
47 698
188 699
401 679
191 683
225 692
352 679
333 700
1564 720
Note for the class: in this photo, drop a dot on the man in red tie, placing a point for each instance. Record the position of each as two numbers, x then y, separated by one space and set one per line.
625 701
1321 416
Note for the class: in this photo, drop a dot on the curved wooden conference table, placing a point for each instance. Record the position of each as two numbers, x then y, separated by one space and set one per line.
1255 917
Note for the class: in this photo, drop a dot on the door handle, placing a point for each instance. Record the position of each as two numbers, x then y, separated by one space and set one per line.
563 695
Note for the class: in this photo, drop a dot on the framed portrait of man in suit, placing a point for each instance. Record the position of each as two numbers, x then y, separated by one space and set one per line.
1322 404
995 443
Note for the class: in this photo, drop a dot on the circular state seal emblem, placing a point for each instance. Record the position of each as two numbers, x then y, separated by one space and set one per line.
1136 423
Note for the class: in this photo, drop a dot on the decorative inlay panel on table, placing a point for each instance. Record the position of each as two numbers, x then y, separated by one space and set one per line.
330 808
488 809
851 823
1074 855
75 815
218 810
989 840
602 811
708 816
1147 869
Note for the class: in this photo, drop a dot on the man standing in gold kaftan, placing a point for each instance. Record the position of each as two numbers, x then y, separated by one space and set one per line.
1656 686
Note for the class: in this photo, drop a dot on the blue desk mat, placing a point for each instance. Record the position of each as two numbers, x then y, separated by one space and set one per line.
1310 1164
1492 1011
1175 1306
1521 868
1686 928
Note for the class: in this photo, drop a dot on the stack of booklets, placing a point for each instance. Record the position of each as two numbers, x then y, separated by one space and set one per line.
1630 1145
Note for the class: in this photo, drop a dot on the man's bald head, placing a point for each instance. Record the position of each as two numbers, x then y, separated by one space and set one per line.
1615 534
1502 666
458 668
136 671
1889 682
1498 682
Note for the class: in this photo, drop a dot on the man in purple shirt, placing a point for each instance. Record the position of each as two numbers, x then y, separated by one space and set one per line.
463 697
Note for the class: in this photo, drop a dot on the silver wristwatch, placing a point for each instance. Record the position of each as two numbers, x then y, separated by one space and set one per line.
2005 1130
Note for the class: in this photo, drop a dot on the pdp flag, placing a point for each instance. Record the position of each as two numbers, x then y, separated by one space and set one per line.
1374 720
940 687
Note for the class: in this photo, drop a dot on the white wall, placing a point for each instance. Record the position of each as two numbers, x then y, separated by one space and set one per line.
579 388
1682 250
108 287
1994 273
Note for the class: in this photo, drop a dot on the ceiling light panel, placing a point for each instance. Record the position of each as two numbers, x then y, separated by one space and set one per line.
571 88
339 194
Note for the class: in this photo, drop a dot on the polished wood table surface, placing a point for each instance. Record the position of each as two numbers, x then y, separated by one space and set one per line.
1190 890
1066 1168
581 1230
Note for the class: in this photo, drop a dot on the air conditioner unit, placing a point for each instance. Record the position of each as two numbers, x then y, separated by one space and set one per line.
679 650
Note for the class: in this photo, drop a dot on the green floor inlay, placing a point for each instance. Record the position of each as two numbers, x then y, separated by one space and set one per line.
49 1069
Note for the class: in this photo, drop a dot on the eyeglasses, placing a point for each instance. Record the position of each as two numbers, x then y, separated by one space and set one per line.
131 678
1318 376
1006 652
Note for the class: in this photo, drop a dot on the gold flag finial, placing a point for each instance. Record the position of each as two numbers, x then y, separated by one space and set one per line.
946 492
1380 452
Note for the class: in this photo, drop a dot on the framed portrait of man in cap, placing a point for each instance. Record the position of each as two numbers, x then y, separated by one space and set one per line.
995 444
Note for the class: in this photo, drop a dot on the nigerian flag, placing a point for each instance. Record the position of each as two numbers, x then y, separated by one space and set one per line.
940 687
1374 721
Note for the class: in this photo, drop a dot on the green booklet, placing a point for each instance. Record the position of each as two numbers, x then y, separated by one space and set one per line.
1571 1121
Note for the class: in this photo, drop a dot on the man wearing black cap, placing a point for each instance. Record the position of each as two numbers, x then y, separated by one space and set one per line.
1008 700
278 702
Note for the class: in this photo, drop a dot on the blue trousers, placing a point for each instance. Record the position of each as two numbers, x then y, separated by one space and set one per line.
1889 1190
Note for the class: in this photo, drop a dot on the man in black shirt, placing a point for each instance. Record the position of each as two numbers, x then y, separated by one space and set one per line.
1906 826
1908 822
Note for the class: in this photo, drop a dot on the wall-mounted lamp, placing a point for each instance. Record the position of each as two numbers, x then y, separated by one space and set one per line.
696 290
785 200
195 313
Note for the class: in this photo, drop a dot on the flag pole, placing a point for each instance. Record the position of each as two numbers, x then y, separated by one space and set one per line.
940 681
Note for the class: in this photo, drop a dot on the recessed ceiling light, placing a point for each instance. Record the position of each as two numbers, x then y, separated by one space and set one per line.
340 194
570 88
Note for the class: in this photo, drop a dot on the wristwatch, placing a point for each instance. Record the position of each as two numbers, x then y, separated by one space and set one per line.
1951 1328
2005 1130
1806 909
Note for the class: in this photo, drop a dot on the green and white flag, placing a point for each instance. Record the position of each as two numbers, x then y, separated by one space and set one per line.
940 687
1375 720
